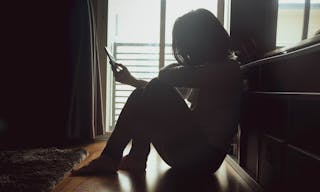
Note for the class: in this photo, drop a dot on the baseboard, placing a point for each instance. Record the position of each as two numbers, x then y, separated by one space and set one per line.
104 137
243 174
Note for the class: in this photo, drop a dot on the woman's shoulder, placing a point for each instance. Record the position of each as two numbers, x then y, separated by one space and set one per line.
228 66
227 72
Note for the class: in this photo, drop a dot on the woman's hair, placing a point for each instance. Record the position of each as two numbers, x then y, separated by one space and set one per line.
198 36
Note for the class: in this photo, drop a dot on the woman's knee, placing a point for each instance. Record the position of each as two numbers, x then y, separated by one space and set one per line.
138 92
135 97
156 84
157 88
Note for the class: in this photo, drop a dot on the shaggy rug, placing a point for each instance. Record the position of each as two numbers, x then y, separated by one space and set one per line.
36 170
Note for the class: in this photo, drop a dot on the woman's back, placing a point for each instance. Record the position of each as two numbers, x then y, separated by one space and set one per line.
217 106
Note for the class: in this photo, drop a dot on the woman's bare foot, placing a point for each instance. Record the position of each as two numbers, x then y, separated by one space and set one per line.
129 163
102 165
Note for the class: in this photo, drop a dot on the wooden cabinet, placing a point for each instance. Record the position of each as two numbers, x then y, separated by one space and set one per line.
304 130
271 161
280 123
301 170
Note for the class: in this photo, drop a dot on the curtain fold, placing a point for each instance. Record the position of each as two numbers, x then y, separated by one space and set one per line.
85 113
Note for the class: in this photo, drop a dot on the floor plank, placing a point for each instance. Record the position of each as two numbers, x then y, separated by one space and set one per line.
158 178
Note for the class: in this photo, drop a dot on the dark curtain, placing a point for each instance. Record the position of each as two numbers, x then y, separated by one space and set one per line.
50 87
85 113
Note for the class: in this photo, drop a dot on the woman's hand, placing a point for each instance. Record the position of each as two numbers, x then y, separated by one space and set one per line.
124 76
172 65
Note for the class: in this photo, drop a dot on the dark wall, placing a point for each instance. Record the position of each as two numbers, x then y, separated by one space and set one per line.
253 27
35 73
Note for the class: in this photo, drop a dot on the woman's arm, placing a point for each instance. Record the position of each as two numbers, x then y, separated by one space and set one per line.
199 76
125 77
170 66
139 83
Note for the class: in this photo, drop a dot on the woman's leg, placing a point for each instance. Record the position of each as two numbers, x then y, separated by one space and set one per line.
158 114
123 132
173 132
127 128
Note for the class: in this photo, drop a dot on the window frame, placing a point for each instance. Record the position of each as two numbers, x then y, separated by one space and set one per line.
306 18
305 24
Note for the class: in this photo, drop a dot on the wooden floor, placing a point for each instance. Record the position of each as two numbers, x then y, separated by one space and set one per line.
158 178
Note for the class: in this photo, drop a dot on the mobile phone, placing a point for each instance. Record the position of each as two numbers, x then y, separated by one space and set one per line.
112 60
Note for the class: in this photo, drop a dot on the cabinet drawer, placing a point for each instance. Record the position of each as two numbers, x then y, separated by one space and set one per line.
271 162
301 171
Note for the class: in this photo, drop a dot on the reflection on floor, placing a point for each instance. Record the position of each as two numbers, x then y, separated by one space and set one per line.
158 178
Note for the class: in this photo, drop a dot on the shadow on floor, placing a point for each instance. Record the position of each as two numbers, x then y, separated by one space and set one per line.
173 181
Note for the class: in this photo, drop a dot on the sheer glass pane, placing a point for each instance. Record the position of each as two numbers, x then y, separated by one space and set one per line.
177 8
133 37
227 15
314 19
134 21
290 22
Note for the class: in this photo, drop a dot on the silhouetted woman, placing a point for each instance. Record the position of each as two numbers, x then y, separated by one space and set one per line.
190 138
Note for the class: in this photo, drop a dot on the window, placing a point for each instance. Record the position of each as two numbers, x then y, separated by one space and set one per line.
139 35
314 18
297 20
133 37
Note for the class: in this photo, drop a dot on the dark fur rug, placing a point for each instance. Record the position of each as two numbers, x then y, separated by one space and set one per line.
36 170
